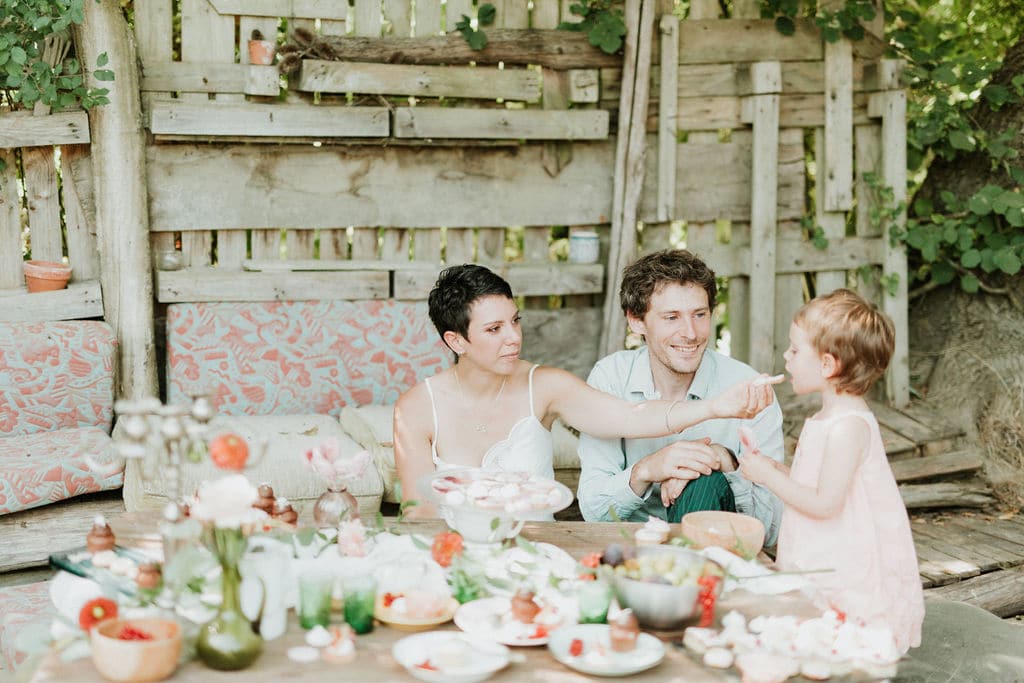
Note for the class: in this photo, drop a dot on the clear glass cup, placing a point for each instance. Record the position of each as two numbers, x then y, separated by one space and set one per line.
360 593
595 597
315 588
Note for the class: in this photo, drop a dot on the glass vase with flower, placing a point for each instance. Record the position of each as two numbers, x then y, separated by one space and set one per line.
336 504
224 507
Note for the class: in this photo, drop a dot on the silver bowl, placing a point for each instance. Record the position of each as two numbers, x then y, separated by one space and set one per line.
663 606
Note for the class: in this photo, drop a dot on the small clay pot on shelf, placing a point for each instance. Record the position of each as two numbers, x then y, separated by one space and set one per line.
46 276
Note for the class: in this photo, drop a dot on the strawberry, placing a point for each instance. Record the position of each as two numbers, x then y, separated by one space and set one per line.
447 545
576 647
131 633
229 452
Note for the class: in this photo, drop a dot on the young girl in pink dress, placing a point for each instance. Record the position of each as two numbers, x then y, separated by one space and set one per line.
843 509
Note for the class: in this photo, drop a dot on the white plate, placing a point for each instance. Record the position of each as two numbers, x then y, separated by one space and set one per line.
598 658
490 618
429 657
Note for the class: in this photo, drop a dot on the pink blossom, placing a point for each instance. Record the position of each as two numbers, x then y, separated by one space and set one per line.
335 468
352 538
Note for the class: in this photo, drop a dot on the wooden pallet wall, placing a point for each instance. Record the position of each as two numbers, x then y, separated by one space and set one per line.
46 192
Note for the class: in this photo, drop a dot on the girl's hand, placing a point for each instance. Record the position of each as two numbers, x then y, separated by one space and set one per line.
757 468
672 489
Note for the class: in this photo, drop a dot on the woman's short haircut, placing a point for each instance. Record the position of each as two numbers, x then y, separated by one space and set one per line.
859 336
648 274
455 291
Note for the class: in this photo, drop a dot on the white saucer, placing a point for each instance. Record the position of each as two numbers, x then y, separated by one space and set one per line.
598 659
423 655
490 618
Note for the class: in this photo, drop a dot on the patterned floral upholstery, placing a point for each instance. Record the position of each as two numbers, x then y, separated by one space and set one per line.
44 468
21 606
56 408
55 375
287 358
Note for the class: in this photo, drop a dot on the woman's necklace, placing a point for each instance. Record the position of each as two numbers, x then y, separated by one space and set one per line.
480 426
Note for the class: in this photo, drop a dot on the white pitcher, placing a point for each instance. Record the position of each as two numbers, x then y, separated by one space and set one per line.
266 574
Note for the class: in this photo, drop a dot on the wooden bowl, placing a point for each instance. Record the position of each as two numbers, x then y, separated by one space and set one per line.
739 534
136 661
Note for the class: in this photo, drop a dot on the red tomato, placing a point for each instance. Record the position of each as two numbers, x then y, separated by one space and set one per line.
229 452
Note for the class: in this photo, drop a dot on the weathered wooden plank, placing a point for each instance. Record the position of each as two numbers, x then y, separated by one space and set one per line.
973 542
795 111
266 120
28 538
79 300
455 187
710 41
455 10
458 245
566 338
1009 552
544 47
428 18
367 17
945 464
1001 593
43 199
945 494
838 167
11 274
867 148
941 426
79 232
299 9
1008 530
527 124
22 129
713 179
795 256
789 297
764 117
300 244
318 75
398 17
667 104
511 14
207 284
527 279
584 86
940 567
953 543
724 80
544 14
902 423
833 223
891 106
199 77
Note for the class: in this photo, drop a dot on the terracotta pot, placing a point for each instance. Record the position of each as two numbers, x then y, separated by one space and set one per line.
262 52
46 276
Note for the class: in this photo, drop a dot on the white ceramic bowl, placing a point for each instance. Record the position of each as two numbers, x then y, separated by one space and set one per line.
136 661
447 657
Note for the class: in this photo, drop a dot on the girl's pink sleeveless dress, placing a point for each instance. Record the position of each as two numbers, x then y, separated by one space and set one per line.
868 543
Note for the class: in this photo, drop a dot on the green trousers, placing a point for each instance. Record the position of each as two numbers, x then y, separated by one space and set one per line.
707 492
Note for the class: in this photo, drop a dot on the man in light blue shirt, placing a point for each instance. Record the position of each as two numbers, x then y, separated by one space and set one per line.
668 297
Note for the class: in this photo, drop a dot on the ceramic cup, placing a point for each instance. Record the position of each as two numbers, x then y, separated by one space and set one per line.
584 247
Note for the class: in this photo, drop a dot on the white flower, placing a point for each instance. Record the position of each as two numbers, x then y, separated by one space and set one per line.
227 502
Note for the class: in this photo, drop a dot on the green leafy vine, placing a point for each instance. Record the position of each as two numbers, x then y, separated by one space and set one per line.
833 24
601 20
475 37
35 40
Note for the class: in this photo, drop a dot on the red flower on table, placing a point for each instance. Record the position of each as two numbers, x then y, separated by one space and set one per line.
95 611
447 545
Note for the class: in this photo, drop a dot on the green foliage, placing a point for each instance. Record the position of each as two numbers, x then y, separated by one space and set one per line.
601 21
35 36
475 37
833 24
951 55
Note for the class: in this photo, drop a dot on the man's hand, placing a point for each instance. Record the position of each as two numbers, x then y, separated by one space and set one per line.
684 460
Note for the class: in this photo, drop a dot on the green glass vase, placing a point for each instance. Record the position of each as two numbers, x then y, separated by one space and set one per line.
228 642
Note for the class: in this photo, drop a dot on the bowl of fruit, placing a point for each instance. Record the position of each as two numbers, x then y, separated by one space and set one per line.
665 586
136 650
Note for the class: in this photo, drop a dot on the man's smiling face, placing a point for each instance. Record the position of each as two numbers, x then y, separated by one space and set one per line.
677 327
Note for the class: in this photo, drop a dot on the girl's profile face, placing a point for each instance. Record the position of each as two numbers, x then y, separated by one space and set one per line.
803 363
495 336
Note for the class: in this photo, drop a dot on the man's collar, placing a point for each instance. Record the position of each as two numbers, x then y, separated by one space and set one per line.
641 381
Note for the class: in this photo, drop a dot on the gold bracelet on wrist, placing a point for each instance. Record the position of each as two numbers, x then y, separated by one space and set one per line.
668 411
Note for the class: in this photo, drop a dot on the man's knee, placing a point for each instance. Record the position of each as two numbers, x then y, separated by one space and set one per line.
707 492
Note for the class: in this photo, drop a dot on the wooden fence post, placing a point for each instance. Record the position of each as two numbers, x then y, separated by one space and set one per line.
891 106
629 163
762 111
122 218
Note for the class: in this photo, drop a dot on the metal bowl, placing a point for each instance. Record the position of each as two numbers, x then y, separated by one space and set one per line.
664 606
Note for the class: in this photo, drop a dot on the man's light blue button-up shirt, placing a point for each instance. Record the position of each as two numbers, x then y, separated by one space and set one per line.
606 464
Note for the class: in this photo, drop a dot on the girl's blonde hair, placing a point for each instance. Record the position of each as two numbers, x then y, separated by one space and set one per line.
855 332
